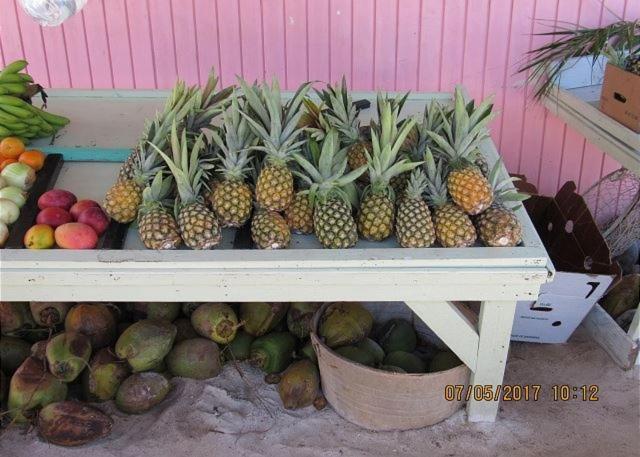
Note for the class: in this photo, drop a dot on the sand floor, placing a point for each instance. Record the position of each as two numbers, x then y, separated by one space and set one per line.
229 416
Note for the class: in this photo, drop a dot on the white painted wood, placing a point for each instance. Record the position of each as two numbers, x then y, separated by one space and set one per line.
452 327
494 328
579 109
608 334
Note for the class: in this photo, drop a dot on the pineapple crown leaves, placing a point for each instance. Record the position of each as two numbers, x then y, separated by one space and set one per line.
432 121
417 184
313 120
188 169
504 190
463 130
210 103
341 112
274 123
386 141
236 146
436 182
156 192
326 177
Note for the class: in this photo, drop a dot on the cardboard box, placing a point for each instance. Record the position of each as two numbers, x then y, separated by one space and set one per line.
620 97
584 270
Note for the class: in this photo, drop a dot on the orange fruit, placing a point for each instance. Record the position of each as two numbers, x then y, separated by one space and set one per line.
39 236
34 158
11 147
6 162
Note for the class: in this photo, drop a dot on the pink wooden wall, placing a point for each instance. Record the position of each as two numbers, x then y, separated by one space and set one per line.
421 45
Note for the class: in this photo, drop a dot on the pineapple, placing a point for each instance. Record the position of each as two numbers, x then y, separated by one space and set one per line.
341 113
156 225
277 128
632 63
232 198
414 227
499 226
125 196
299 214
463 133
269 230
452 225
328 193
198 225
376 216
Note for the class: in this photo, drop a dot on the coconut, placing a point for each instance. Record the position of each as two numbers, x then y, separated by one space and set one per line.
299 385
145 343
105 374
70 423
13 351
31 388
444 360
239 348
259 318
273 352
67 355
39 350
409 362
189 308
4 388
216 321
345 323
142 391
197 358
155 310
185 330
355 354
299 318
392 369
397 335
15 317
94 320
308 352
372 348
49 314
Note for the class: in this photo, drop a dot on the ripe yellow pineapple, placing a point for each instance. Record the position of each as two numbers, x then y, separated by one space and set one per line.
269 230
498 225
414 227
299 214
156 225
328 190
232 198
463 133
276 126
453 226
199 227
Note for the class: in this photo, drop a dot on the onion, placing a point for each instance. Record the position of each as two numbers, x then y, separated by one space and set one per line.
4 233
17 196
9 211
19 175
3 183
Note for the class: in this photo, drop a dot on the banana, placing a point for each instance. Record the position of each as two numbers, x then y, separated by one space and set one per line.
14 67
16 111
53 119
4 91
12 78
32 120
4 132
6 117
15 88
14 125
13 101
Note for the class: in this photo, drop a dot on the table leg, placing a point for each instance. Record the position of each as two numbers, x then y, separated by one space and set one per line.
494 329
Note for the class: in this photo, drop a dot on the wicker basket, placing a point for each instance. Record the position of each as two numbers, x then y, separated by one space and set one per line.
380 400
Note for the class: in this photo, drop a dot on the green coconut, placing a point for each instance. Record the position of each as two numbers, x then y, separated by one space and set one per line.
308 352
155 310
397 335
49 314
345 323
444 360
68 354
13 351
189 308
4 388
299 385
95 320
71 423
240 347
355 354
142 391
105 374
273 352
372 348
15 317
392 369
31 388
216 321
409 362
39 349
260 318
299 318
198 358
145 343
185 330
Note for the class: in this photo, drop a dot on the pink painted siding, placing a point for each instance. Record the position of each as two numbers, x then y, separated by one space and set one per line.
424 45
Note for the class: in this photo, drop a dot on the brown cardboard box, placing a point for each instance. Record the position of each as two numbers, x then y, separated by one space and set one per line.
620 98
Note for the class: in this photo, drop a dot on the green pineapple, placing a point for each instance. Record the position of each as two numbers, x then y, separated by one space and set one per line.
232 198
276 125
377 208
156 225
328 193
198 225
414 227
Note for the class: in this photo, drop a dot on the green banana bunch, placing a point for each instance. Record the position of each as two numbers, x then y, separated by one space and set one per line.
18 117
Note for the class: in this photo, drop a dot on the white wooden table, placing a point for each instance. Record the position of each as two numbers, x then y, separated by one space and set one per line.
428 280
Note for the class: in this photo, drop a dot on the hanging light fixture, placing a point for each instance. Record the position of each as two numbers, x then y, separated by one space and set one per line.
50 13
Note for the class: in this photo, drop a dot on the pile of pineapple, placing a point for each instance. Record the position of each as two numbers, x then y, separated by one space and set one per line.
306 167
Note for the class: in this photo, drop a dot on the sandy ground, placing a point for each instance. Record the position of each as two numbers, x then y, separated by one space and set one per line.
235 417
